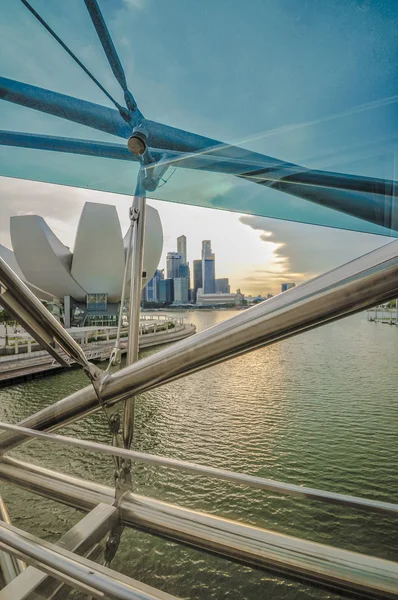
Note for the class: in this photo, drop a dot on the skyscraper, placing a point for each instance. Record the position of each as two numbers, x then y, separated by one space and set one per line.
182 248
152 289
209 274
222 286
184 271
208 268
206 248
287 286
197 278
166 291
173 263
181 290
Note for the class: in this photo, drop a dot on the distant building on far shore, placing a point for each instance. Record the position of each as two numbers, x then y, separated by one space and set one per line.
222 286
219 299
197 278
151 291
181 290
287 286
173 263
208 274
255 299
166 291
182 248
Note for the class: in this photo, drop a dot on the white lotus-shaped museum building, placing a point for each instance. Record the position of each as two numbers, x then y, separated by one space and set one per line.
89 279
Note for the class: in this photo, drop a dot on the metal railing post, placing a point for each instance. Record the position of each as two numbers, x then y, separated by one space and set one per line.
137 217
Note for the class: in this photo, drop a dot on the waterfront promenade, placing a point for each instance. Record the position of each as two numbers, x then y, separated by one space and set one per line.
381 314
27 360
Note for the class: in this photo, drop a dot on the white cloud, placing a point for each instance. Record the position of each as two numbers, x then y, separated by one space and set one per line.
134 4
304 251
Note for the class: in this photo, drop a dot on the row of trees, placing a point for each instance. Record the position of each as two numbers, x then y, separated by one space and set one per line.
7 320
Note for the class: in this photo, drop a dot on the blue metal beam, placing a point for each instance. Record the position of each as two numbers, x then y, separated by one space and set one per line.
86 113
44 23
208 161
376 208
110 51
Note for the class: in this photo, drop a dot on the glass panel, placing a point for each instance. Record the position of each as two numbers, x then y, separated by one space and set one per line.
310 83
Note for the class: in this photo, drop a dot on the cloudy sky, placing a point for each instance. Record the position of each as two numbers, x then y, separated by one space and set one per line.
256 253
310 81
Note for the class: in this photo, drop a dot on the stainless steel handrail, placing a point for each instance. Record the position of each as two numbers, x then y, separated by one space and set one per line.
81 573
10 567
335 568
351 288
36 319
222 474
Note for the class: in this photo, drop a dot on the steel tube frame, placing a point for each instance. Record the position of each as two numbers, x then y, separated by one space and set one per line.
10 567
360 284
206 160
127 269
85 535
353 195
36 319
137 262
301 559
5 516
312 185
221 474
81 573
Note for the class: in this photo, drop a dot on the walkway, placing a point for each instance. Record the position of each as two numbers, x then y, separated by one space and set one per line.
21 366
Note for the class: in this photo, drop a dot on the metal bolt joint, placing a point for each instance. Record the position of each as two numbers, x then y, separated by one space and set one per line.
134 213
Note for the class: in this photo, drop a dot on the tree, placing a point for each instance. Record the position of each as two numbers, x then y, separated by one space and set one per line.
6 319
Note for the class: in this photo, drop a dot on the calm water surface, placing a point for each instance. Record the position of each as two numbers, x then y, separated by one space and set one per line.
319 410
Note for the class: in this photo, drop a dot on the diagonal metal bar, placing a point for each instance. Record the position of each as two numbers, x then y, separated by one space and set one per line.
33 583
206 161
78 572
261 169
66 107
320 186
137 216
221 474
351 288
110 51
36 319
73 56
337 569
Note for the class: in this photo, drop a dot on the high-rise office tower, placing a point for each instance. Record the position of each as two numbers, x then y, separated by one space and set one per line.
185 272
206 248
166 290
287 286
173 263
209 274
182 247
222 286
181 290
197 278
152 289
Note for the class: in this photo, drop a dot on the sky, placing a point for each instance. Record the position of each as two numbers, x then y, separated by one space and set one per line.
309 81
257 254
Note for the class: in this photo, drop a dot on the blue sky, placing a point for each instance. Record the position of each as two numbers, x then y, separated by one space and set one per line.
312 81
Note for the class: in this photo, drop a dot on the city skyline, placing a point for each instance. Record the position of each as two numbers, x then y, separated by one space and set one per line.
172 285
257 254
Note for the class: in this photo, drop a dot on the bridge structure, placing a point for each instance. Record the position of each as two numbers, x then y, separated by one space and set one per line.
356 286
